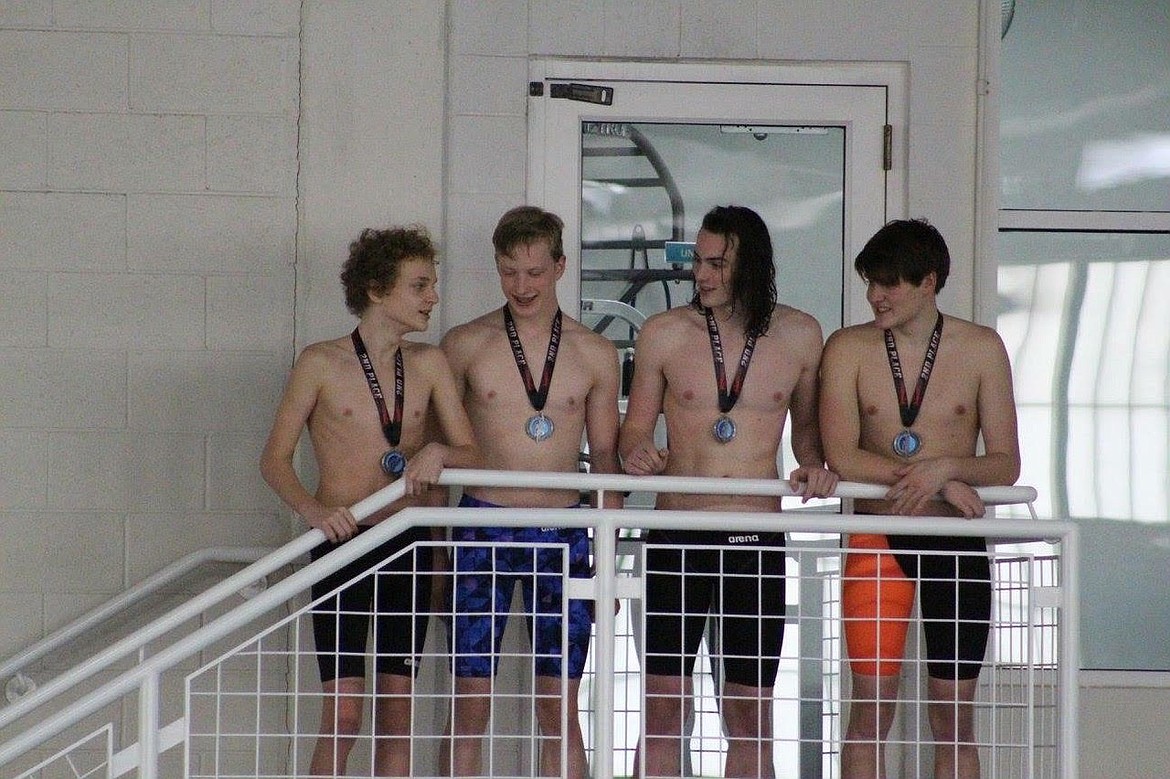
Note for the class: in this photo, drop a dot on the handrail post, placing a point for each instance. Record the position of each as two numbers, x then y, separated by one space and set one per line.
605 559
1069 663
148 704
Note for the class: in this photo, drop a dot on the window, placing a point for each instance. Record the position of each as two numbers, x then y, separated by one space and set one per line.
1084 280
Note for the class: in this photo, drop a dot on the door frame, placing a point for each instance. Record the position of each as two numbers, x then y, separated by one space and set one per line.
543 176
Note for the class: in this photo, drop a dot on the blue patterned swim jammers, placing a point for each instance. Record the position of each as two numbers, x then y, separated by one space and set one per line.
485 578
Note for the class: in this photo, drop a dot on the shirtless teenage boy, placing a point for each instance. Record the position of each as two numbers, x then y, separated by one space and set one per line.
957 387
389 282
737 436
532 381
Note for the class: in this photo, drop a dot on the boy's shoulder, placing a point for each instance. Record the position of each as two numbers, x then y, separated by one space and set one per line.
680 321
853 336
481 326
583 337
965 328
979 345
327 351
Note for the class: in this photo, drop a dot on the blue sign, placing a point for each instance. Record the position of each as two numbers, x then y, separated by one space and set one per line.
679 252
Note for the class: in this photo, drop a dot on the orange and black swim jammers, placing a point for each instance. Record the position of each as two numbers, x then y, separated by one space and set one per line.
954 602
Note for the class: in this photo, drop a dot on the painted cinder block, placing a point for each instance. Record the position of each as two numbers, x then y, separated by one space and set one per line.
125 471
132 14
68 71
250 312
256 154
127 153
202 391
23 315
213 74
24 155
126 311
62 231
63 389
210 233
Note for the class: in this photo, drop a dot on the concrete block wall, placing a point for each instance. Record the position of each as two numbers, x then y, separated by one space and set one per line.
148 223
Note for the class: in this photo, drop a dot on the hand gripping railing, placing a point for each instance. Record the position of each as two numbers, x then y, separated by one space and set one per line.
145 676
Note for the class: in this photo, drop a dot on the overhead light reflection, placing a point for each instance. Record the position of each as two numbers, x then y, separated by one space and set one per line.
1107 164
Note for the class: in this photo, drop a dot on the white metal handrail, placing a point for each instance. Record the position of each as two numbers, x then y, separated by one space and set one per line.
282 556
244 554
144 677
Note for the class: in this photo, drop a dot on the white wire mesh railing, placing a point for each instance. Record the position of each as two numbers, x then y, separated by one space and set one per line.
252 708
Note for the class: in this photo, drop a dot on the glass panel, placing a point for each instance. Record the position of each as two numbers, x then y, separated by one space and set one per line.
646 183
1084 106
1084 319
1085 322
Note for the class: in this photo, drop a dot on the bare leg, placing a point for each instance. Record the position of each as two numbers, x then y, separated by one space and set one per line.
392 719
747 713
668 700
462 753
871 713
952 723
341 719
548 716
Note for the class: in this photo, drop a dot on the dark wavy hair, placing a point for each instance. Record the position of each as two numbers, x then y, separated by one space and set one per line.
753 282
374 259
904 250
525 225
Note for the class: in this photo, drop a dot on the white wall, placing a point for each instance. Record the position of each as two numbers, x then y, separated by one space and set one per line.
178 183
147 230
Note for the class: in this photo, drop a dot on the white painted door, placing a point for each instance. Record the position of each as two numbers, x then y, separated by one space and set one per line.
805 147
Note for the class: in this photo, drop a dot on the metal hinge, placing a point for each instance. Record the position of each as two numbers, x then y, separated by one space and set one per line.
888 147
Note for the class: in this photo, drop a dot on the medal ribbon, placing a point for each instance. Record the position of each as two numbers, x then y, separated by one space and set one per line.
727 399
537 397
909 409
391 428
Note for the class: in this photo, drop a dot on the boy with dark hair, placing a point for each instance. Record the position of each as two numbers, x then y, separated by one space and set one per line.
721 429
924 445
366 399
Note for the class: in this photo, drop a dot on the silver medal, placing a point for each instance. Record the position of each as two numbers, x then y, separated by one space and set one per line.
723 429
539 427
907 443
393 463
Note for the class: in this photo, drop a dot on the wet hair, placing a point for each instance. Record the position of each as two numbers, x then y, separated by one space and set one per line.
753 281
374 260
905 250
526 225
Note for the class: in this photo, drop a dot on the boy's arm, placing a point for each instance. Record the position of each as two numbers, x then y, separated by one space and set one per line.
1000 462
840 420
276 462
462 448
806 434
601 415
456 448
639 455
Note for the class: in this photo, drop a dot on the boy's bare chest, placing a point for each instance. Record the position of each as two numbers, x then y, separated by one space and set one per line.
768 379
949 396
496 381
354 398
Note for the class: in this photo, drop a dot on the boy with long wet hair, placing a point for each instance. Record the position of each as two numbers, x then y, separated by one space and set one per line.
721 427
753 286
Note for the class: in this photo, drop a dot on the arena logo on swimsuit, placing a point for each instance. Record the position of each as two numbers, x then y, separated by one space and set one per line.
752 539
